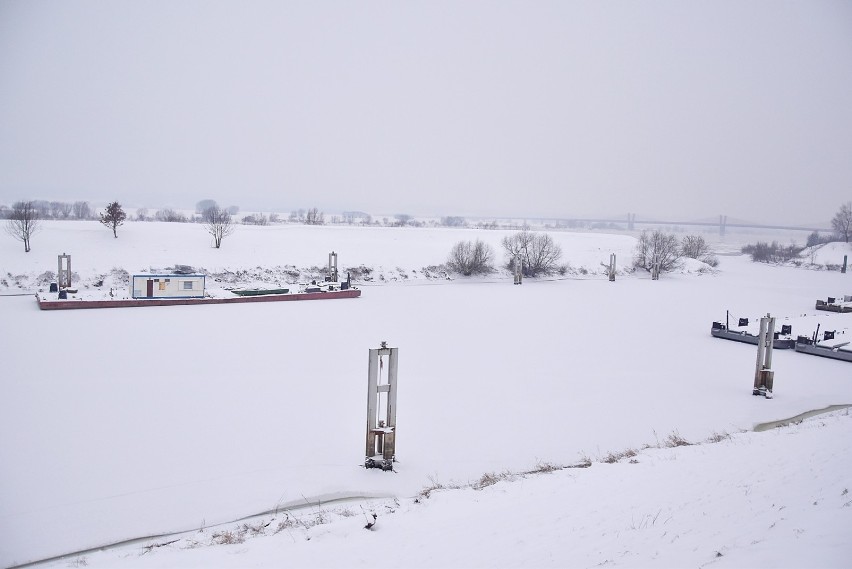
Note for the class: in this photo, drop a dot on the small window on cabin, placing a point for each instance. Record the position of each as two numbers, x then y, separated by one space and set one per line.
162 285
187 285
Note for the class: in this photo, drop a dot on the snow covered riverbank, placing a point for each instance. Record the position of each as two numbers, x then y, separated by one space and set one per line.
774 499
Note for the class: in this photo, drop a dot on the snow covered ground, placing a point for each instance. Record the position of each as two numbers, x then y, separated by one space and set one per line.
774 499
122 423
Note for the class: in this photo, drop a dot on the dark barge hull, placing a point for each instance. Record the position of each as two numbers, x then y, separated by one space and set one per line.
833 307
779 344
825 352
126 303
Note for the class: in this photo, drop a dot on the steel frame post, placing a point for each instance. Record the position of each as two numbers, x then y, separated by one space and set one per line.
380 450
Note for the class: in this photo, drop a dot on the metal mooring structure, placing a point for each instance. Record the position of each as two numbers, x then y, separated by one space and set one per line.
381 408
518 270
611 269
763 374
332 266
63 272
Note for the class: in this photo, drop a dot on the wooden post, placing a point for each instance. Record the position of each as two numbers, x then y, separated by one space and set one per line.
611 272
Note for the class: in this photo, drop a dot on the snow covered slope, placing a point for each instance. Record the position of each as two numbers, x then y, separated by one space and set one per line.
774 499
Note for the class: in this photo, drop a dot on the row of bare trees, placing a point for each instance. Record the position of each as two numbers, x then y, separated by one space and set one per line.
24 219
537 253
664 251
44 209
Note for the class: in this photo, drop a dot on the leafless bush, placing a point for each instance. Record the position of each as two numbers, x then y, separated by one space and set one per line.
542 467
255 530
471 258
675 440
537 252
314 217
486 480
255 219
614 457
434 485
718 437
120 276
695 247
763 252
228 537
427 490
170 215
657 248
287 523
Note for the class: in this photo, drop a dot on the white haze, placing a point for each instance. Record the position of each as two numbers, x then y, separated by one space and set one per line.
680 110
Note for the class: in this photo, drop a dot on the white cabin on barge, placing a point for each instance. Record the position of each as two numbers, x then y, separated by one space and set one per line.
167 286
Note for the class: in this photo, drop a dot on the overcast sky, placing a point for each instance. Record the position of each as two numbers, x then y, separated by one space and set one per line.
683 110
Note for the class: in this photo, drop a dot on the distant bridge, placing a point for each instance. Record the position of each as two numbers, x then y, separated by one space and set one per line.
722 224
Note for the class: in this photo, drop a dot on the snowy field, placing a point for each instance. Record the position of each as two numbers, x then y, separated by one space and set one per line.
124 423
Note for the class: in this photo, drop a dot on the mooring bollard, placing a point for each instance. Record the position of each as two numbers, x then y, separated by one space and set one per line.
763 375
518 270
332 267
63 272
381 408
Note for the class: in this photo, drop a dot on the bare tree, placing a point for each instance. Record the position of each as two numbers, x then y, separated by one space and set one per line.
402 219
537 252
203 205
113 216
217 221
656 248
60 210
42 208
471 258
314 217
82 210
842 221
23 222
453 221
